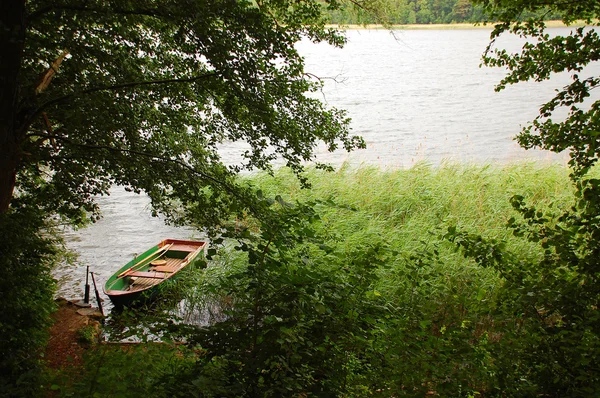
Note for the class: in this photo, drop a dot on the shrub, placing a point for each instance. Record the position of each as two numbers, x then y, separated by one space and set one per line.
553 348
26 300
303 316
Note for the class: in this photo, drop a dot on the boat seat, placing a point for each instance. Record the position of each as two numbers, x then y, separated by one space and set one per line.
150 274
141 283
165 268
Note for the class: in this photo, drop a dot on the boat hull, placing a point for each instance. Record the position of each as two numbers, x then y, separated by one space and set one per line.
143 278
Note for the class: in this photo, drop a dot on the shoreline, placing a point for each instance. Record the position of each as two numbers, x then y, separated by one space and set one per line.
452 26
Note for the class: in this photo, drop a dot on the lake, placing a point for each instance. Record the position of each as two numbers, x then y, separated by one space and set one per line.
414 95
420 95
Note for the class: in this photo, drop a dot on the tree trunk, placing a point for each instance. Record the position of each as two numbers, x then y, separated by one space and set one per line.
12 40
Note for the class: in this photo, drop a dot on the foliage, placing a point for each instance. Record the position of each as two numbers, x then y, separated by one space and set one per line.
88 335
143 95
404 314
427 320
420 12
446 327
26 288
113 370
543 55
301 319
407 12
555 347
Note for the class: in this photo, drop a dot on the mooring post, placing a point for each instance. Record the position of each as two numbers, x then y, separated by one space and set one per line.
98 300
86 294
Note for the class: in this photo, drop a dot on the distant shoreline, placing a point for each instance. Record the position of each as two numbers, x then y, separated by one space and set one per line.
452 26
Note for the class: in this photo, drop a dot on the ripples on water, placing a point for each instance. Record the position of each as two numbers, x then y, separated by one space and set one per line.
414 96
420 95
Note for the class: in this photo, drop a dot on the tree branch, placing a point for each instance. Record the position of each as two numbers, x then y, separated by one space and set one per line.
115 87
151 156
147 13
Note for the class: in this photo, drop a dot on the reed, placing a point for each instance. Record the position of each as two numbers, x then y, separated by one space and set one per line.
409 209
404 206
442 308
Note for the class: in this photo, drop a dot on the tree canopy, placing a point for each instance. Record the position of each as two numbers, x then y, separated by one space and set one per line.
143 95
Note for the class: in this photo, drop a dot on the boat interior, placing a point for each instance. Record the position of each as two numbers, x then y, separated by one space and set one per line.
159 270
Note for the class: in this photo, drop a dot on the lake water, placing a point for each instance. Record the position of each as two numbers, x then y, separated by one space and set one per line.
420 95
415 95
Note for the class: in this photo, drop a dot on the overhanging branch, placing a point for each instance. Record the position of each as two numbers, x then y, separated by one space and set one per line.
151 156
82 8
115 87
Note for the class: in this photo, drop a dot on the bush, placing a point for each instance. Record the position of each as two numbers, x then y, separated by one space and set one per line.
302 317
26 258
553 348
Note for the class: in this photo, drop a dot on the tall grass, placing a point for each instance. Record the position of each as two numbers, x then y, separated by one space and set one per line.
402 207
444 323
408 210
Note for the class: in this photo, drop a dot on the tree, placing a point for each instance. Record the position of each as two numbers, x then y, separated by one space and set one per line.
92 92
143 94
424 14
462 10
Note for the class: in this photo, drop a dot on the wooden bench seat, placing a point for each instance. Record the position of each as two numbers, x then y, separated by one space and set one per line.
147 274
165 268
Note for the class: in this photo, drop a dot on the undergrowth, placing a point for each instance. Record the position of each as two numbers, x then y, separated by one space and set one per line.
392 283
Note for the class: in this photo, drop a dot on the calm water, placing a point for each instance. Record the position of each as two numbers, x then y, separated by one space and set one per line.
414 96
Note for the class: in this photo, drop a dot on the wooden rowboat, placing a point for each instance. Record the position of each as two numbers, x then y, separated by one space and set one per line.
141 278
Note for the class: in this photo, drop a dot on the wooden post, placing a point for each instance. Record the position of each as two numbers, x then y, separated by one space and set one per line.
86 293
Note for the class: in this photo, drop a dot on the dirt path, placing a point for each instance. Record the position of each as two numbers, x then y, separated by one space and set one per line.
65 347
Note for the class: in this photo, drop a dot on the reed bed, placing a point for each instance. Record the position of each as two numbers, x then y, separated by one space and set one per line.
408 210
404 206
414 319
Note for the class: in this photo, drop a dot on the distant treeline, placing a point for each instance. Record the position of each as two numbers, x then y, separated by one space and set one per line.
404 12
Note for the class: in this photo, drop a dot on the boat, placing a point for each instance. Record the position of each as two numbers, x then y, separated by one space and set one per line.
142 278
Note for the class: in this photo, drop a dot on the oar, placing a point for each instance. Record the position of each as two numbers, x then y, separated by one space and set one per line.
98 299
162 249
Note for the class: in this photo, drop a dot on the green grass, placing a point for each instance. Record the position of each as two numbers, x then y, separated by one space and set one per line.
403 206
